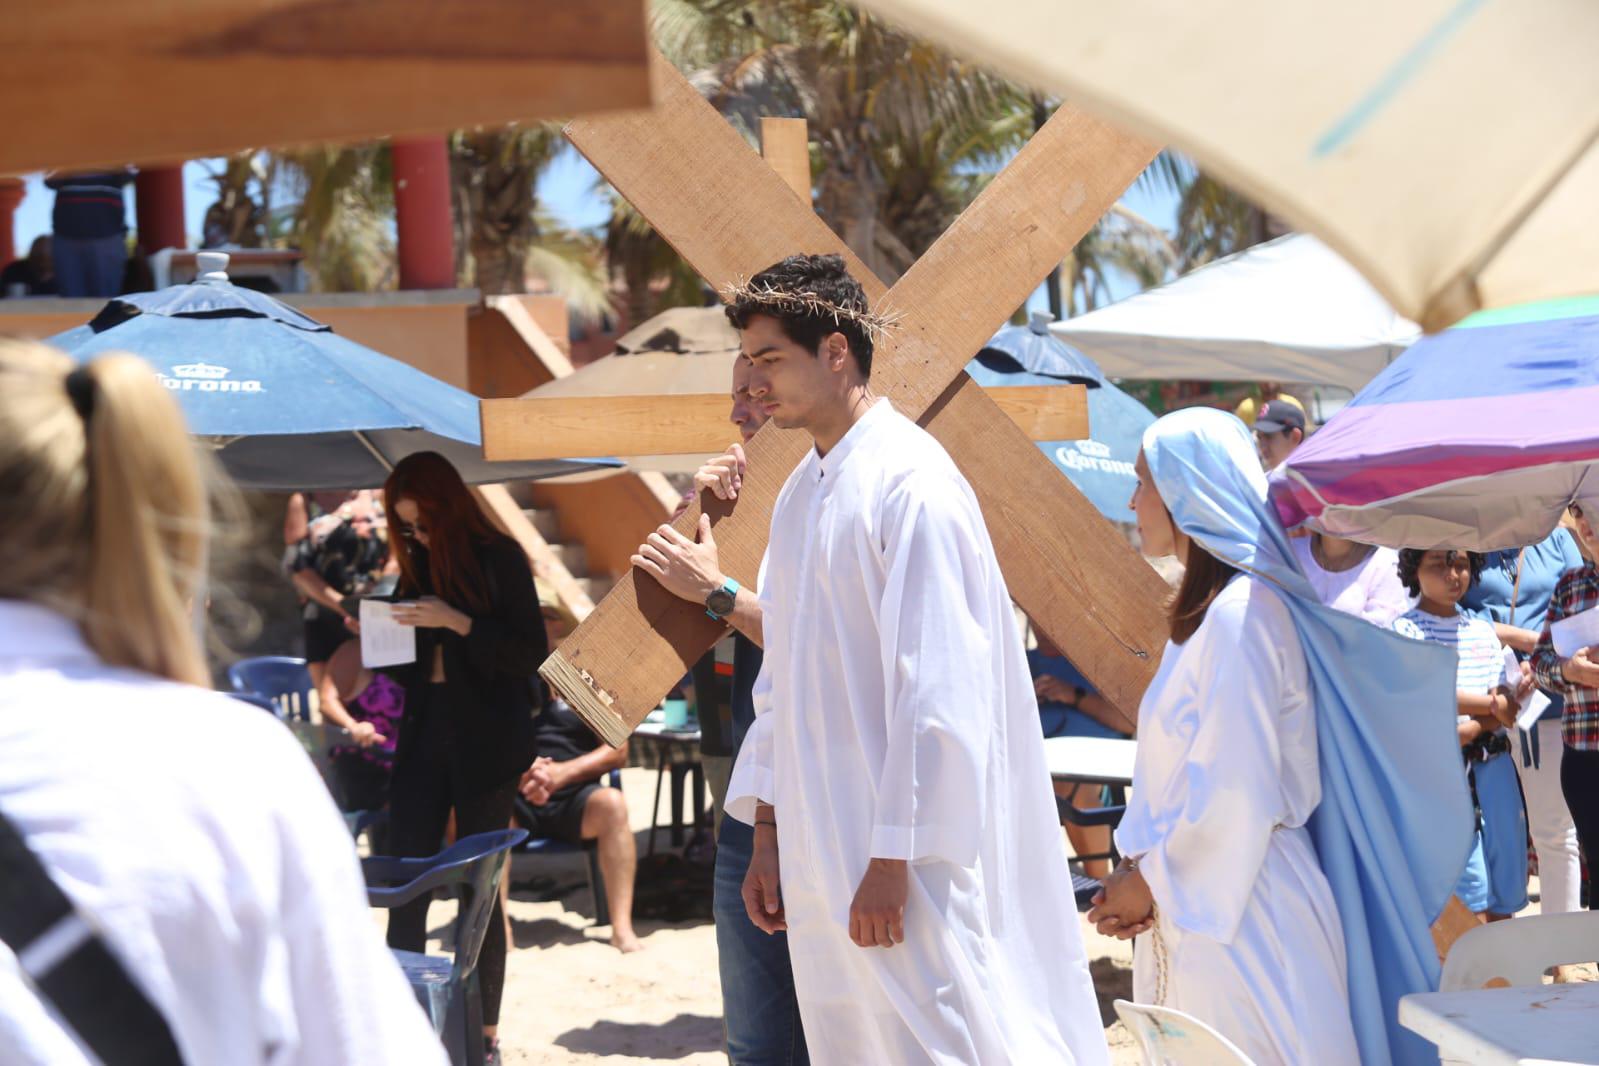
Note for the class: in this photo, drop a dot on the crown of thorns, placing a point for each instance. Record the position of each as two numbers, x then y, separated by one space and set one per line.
874 324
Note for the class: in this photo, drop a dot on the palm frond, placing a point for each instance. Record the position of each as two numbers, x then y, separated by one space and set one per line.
340 214
572 264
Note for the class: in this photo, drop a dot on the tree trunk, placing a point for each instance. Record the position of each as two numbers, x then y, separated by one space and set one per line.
500 269
497 208
848 197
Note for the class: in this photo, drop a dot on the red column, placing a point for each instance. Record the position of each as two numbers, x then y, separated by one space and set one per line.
422 213
12 190
158 208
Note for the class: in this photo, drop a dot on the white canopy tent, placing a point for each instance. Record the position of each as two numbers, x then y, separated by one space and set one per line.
1288 310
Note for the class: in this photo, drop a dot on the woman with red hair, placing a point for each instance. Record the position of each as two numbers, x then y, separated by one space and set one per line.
467 734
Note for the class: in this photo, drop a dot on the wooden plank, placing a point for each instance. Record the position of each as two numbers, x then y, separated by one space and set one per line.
1045 412
565 427
1069 569
785 145
729 216
165 80
503 511
568 426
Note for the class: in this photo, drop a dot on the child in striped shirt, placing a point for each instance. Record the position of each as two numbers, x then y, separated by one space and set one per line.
1495 879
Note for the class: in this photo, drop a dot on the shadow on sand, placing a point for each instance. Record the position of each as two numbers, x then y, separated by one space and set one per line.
1112 981
544 933
685 1035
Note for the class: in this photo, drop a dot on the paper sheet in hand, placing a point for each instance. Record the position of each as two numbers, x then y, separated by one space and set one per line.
1572 634
385 642
1536 703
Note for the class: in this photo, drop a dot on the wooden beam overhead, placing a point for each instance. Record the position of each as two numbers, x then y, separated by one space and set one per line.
730 216
165 80
564 427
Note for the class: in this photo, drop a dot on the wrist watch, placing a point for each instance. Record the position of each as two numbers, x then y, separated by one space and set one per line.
719 604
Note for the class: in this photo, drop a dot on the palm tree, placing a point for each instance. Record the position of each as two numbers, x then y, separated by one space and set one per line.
904 131
650 272
237 217
1122 242
1214 221
503 233
340 215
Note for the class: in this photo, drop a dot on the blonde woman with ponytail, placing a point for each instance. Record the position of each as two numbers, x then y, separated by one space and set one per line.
207 901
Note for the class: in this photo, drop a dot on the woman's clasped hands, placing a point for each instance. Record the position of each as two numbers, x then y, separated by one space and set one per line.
1123 906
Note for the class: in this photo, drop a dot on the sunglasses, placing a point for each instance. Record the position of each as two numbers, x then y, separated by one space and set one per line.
409 531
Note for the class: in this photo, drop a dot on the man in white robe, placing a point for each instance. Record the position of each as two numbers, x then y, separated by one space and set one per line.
906 834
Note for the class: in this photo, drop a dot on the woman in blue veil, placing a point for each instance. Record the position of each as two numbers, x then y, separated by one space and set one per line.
1299 817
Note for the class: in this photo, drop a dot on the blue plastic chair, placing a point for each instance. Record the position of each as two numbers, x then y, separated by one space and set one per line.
255 699
280 678
448 988
1084 887
589 848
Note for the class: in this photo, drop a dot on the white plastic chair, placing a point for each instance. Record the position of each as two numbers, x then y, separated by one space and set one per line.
1518 951
1171 1038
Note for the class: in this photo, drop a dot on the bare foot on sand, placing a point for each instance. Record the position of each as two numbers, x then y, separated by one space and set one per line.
627 942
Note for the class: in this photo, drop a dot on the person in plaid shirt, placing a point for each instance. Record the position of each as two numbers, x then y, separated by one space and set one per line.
1577 679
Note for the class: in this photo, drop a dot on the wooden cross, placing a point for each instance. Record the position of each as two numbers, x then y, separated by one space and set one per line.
561 427
730 215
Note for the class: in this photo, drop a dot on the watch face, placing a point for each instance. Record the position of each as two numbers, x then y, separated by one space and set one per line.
719 602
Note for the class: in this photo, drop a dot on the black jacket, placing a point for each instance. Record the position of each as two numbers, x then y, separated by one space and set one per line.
492 688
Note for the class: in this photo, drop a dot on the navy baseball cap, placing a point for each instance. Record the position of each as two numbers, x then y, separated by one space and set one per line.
1279 415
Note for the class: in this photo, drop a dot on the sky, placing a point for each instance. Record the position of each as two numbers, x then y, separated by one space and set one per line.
567 187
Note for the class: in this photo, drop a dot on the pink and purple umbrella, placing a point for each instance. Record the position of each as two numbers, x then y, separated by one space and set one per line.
1477 437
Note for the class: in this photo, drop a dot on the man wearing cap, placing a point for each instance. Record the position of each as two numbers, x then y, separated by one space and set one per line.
1279 429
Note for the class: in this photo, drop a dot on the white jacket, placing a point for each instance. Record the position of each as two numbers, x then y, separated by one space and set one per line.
194 832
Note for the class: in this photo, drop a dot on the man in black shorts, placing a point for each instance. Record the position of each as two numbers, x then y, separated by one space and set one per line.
569 800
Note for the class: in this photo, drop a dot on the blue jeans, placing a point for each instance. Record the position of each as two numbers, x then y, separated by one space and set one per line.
762 1015
90 267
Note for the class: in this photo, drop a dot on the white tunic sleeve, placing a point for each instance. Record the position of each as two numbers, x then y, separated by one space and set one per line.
1229 795
940 675
751 782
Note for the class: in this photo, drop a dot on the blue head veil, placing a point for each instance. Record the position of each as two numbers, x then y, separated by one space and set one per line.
1395 823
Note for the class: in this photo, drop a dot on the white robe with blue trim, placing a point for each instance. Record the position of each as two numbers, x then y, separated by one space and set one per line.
1248 937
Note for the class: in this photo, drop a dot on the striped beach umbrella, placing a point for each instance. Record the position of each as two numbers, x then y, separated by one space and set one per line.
1477 437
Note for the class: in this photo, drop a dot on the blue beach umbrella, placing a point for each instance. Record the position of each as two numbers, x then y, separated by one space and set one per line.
288 404
1101 466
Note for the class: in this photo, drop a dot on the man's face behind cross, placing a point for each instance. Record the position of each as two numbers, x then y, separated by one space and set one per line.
794 387
747 415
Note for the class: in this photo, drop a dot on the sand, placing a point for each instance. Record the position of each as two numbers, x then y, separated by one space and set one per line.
572 998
